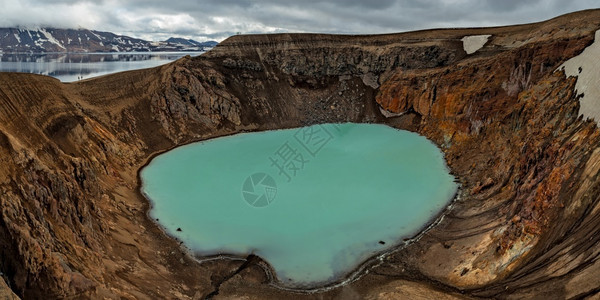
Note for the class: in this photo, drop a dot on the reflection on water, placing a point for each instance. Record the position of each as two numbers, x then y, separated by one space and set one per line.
69 67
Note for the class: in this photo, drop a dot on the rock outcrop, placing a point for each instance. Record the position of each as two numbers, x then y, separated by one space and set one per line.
526 223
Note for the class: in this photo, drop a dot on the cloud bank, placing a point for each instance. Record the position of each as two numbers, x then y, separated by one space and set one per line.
218 19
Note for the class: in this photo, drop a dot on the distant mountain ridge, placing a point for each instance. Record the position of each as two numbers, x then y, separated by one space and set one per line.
188 42
42 40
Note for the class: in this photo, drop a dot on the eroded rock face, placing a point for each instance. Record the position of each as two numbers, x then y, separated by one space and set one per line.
73 223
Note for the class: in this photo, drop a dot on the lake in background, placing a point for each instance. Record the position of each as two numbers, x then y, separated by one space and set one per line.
314 202
68 67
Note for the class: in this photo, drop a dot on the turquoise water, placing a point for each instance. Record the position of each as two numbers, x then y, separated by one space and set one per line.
313 202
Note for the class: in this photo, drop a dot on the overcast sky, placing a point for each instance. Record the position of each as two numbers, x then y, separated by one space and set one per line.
218 19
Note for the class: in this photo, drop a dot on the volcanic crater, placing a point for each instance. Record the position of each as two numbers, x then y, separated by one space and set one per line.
526 223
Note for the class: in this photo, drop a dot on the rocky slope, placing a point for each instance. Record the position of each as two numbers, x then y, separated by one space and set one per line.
42 40
526 224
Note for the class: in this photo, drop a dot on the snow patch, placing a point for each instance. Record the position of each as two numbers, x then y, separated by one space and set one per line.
40 43
18 37
51 39
586 67
97 36
473 43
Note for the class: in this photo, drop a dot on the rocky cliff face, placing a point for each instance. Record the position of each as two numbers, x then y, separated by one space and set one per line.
73 223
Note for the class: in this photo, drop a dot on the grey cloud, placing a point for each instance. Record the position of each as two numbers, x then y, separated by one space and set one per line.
217 19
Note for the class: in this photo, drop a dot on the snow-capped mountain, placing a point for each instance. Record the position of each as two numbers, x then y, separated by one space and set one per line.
41 40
